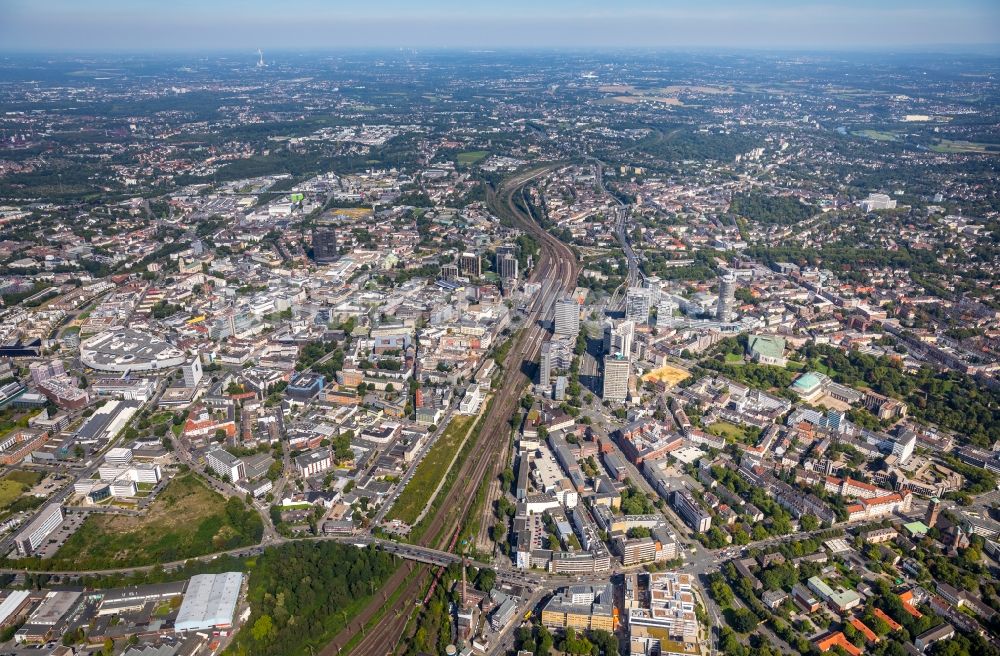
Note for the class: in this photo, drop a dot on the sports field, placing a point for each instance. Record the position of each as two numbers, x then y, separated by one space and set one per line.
667 374
471 157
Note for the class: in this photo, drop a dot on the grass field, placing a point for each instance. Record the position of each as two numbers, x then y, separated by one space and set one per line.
471 157
25 478
949 146
731 432
667 374
187 519
877 135
15 483
12 418
430 471
9 492
823 369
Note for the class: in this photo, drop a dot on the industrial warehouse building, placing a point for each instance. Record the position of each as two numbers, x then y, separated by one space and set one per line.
14 607
209 602
131 599
50 614
102 426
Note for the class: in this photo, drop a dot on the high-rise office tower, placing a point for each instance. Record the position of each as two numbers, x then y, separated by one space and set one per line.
507 249
726 310
652 283
545 364
616 373
637 304
469 264
618 339
556 355
324 238
42 371
192 372
507 266
567 320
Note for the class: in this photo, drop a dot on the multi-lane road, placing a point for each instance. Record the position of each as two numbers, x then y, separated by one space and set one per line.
621 233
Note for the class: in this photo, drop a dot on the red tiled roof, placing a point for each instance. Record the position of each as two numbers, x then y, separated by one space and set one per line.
893 624
864 630
840 640
907 599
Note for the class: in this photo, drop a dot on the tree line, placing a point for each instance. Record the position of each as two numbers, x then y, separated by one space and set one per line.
301 594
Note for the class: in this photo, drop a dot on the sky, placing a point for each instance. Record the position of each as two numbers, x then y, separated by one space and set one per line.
214 25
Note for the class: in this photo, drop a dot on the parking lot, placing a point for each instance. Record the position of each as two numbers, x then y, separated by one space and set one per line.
59 536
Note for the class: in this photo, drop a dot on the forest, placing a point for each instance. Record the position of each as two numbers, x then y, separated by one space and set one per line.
948 399
685 142
764 209
656 263
301 594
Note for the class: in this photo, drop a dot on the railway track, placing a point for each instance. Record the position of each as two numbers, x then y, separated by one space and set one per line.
565 274
557 271
382 638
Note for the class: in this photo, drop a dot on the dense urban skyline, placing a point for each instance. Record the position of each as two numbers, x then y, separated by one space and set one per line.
651 328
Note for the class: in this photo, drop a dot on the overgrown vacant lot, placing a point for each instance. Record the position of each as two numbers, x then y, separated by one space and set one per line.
13 485
430 471
9 490
188 519
727 430
25 478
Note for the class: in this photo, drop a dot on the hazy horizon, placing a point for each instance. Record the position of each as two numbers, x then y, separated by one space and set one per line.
110 26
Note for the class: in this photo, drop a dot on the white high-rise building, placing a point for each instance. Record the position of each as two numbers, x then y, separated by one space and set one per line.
616 374
878 202
146 473
35 533
224 463
567 321
618 339
637 304
192 372
118 457
726 310
652 283
665 312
